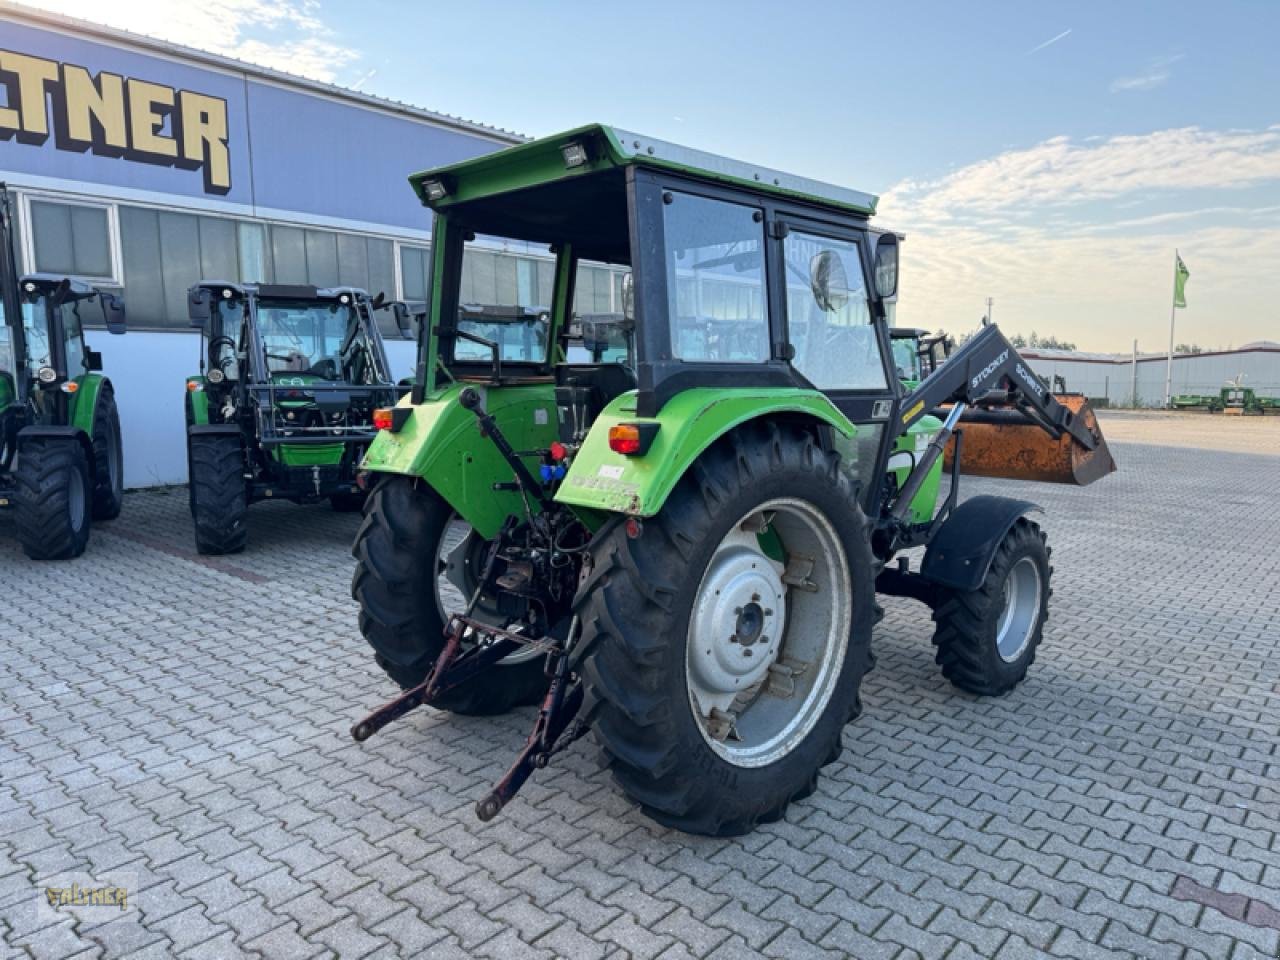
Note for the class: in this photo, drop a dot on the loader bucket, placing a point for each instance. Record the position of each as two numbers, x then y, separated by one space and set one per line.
1002 442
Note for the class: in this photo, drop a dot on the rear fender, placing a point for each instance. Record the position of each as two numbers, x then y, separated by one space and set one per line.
961 552
440 443
689 423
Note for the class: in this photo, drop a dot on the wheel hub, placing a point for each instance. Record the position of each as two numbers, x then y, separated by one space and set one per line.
738 620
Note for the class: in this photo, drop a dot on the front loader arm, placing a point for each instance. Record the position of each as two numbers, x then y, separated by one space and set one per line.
989 362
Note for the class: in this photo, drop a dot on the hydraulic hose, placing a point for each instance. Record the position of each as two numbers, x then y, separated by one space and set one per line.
917 477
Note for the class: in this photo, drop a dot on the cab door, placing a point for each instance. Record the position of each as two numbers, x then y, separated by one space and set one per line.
836 342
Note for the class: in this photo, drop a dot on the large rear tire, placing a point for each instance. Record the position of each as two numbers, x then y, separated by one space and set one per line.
218 500
987 638
729 638
108 457
53 498
402 612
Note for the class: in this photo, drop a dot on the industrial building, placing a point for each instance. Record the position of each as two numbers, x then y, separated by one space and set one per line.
1139 380
145 167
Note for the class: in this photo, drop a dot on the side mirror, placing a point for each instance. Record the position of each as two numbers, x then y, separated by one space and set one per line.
199 306
93 360
629 295
404 323
113 313
828 281
887 266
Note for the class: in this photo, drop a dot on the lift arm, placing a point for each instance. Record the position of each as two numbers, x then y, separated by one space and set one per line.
986 364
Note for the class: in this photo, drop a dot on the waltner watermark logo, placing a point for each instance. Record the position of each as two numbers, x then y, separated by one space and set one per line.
95 899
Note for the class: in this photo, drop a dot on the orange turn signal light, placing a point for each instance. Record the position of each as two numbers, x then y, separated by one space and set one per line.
382 418
194 386
632 439
70 386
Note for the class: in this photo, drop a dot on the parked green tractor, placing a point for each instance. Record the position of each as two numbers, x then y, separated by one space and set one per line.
918 353
669 525
61 456
282 408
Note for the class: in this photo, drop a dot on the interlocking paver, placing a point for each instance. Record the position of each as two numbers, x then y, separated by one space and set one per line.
195 738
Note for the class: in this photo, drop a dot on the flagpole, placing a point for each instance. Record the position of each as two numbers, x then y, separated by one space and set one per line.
1173 311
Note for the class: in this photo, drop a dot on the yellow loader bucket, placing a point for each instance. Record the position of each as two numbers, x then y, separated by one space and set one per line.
1001 441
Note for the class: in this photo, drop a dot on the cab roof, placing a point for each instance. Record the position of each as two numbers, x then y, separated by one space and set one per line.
544 161
282 291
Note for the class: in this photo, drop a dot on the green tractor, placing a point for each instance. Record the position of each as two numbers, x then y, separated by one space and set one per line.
61 455
918 353
668 525
282 408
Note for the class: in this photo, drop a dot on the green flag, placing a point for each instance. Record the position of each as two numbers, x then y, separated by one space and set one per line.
1180 274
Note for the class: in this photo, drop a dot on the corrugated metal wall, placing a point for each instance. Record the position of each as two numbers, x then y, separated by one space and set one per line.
1192 374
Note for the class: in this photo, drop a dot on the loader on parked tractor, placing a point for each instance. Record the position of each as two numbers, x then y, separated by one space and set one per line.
668 525
61 456
282 408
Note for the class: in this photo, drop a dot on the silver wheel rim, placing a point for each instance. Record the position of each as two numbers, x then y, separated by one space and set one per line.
75 500
1020 611
767 637
451 580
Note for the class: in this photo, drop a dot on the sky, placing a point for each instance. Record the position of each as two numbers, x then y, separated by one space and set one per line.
1050 156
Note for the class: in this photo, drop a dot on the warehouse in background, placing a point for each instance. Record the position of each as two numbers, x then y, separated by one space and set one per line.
1138 380
145 167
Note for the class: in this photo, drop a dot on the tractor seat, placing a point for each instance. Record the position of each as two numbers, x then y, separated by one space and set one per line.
606 380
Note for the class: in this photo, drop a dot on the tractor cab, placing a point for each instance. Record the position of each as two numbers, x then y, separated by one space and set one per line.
918 353
61 455
43 354
282 407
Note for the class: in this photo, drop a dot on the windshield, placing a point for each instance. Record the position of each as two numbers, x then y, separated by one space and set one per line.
504 295
905 359
326 341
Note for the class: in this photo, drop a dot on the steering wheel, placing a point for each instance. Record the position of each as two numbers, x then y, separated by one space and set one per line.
326 368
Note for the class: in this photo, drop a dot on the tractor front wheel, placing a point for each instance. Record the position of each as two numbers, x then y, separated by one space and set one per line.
405 550
53 498
108 457
730 633
218 501
987 638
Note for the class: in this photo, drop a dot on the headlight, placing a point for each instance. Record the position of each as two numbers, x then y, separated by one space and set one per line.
214 376
46 374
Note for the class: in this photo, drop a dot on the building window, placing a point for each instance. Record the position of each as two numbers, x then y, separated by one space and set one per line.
415 273
71 239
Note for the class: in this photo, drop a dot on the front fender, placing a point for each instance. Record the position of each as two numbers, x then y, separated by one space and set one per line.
961 552
600 479
84 402
441 444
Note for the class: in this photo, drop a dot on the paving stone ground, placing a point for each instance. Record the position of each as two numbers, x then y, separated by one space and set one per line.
178 727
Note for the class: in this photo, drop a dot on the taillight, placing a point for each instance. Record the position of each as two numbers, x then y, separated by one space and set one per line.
632 439
382 418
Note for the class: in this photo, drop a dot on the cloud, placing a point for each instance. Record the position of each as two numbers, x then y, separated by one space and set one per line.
1063 172
286 35
1156 73
1050 42
1051 233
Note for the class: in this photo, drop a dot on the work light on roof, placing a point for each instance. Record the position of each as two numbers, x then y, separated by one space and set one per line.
226 293
575 154
435 190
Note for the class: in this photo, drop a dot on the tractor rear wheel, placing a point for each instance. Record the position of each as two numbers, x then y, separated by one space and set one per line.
987 638
53 498
730 633
403 550
108 457
218 500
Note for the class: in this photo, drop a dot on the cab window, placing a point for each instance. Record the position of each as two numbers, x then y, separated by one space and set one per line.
504 298
73 340
716 280
828 314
